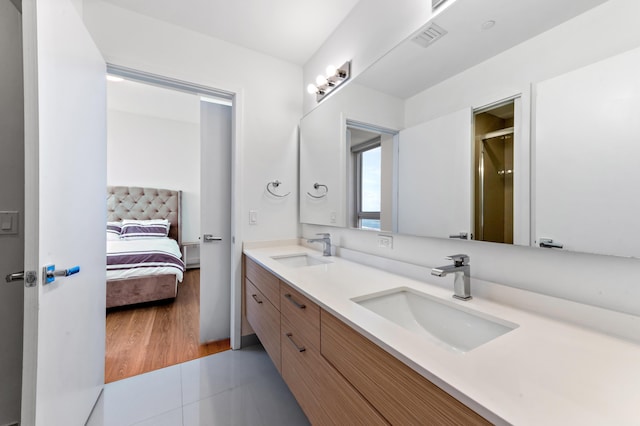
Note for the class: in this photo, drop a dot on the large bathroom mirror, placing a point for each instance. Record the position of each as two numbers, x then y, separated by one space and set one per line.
491 130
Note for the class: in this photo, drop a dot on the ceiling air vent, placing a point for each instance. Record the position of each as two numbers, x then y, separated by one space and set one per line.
436 3
429 34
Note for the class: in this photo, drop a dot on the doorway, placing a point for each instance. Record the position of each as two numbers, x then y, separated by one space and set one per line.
11 212
171 121
494 165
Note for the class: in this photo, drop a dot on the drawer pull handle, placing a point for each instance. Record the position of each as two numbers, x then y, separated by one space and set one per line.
292 300
255 297
299 348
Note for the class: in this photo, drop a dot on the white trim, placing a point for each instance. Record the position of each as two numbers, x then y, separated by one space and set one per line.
395 184
237 207
533 95
31 211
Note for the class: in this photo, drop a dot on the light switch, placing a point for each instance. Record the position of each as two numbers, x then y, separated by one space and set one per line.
385 241
253 217
8 223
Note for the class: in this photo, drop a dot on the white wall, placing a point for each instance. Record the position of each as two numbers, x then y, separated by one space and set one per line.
610 282
269 88
11 199
372 28
149 148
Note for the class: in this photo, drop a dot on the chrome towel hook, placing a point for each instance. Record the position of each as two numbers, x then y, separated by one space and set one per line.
275 184
317 186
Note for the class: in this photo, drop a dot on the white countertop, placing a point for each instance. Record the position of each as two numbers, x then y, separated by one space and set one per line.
544 372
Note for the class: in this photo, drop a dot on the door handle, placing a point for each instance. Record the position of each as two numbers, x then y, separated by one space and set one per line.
209 237
16 276
49 273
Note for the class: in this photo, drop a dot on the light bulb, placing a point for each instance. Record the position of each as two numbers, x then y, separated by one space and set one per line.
331 71
320 80
312 89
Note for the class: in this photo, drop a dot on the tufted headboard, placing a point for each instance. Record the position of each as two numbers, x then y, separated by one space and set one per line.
132 202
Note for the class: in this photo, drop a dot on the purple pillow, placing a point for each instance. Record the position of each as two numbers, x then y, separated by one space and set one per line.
113 230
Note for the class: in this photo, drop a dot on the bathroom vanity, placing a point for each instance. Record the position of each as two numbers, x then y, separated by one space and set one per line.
347 360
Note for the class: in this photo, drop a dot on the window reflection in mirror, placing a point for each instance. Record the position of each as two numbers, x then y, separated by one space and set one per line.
371 170
493 160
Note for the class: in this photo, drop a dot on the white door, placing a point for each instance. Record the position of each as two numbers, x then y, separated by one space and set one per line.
215 221
11 200
65 138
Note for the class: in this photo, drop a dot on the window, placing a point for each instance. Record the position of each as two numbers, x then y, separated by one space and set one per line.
367 157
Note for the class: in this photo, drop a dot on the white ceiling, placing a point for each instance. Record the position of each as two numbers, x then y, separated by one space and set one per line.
292 30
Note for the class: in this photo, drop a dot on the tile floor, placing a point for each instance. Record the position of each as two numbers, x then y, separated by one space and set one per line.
229 388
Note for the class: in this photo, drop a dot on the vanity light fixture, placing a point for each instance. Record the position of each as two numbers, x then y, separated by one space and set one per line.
334 78
114 78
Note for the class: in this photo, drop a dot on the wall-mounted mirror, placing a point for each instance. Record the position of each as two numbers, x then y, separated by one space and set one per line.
481 148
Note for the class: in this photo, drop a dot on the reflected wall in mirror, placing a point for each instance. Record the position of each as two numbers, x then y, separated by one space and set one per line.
587 155
564 182
324 150
434 176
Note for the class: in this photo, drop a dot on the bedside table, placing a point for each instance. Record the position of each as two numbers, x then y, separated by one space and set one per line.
191 254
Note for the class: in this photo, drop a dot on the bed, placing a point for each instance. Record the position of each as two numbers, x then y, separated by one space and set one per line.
143 245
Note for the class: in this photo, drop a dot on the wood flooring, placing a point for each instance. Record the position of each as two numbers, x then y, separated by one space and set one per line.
156 335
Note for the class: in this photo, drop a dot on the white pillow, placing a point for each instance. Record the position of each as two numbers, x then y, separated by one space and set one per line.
154 228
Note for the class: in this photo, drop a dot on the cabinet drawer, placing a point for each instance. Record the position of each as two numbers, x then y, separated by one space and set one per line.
264 280
324 395
302 314
265 321
400 394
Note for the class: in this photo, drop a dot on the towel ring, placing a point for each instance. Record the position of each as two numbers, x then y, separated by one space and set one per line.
275 184
316 186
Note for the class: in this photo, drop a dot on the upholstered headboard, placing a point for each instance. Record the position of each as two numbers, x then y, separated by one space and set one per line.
131 202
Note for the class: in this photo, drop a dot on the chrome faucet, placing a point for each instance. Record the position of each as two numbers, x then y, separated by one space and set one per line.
462 279
326 240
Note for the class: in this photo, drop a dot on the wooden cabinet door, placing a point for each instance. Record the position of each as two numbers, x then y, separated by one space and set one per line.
264 281
303 315
324 395
400 394
265 321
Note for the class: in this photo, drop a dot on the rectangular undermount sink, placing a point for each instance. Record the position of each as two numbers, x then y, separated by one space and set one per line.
299 260
457 328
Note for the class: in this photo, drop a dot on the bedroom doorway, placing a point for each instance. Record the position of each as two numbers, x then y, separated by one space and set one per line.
176 136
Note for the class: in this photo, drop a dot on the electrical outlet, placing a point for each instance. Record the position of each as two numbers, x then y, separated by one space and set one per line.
385 241
253 217
332 217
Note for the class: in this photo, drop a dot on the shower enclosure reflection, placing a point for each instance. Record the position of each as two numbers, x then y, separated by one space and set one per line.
493 206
